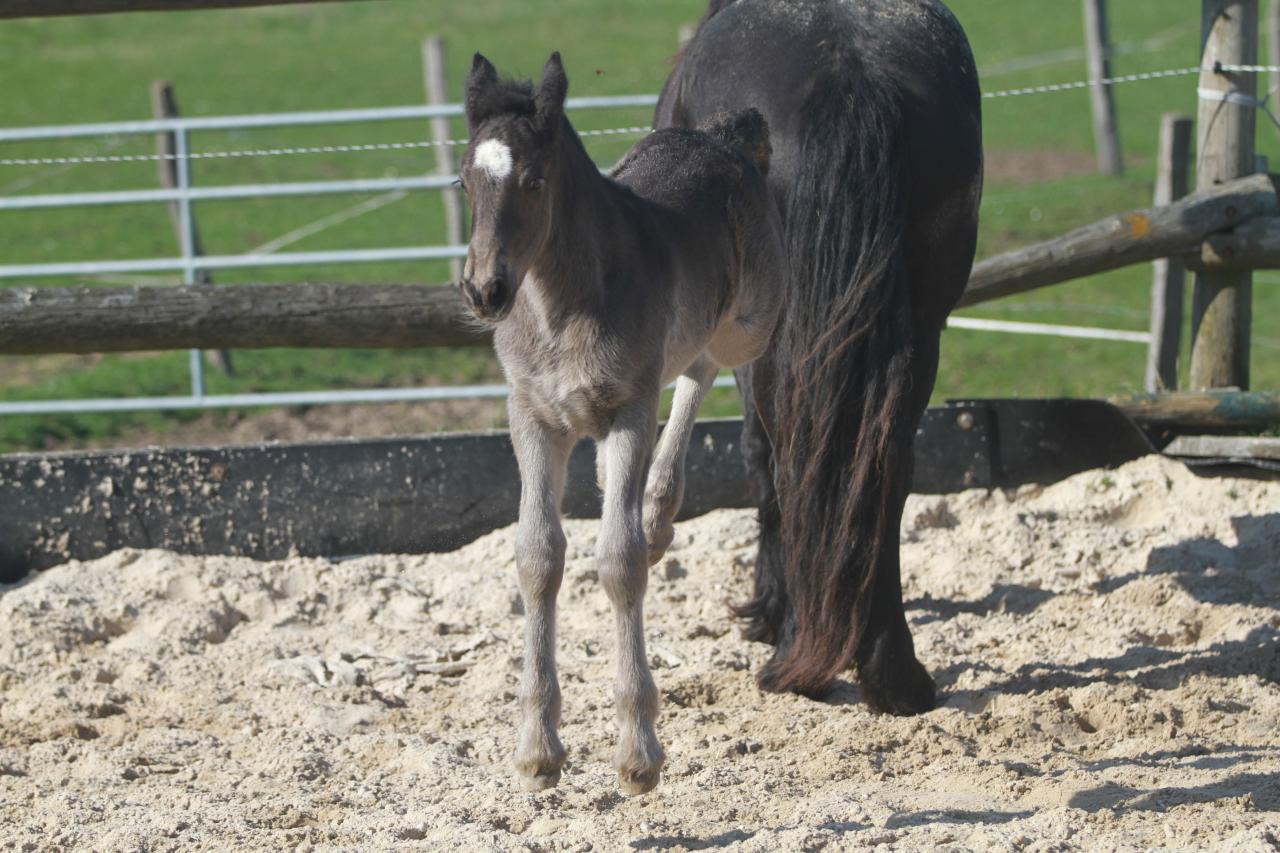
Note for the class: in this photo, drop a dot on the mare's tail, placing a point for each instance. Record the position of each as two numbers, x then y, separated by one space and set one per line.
747 131
841 402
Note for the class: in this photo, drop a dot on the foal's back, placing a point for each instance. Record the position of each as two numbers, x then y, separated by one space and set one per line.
709 216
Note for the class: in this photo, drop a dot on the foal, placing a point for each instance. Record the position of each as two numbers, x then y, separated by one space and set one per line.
602 292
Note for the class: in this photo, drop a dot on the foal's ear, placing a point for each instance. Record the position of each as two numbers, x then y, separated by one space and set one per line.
549 102
479 81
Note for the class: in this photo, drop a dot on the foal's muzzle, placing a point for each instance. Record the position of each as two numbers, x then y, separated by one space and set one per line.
489 301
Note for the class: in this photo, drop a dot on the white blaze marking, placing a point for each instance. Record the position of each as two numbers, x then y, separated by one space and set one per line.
494 158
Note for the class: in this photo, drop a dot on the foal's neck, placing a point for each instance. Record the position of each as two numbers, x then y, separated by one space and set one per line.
570 267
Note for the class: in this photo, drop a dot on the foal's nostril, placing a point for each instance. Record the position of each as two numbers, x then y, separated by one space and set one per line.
470 293
495 294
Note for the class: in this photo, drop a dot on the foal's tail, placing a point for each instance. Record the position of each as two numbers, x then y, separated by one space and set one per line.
843 430
747 131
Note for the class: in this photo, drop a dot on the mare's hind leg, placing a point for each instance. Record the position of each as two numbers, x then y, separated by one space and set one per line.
892 679
624 572
665 490
543 455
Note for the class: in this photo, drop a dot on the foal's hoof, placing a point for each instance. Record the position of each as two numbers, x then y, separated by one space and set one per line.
539 781
659 540
633 783
540 770
639 764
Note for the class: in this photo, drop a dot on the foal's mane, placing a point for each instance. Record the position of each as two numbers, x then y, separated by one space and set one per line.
513 97
505 97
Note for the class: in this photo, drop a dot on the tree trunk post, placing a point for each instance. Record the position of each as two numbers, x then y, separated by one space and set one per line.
1222 306
1106 133
1273 52
437 89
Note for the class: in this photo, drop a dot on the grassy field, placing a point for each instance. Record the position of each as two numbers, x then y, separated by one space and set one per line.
368 54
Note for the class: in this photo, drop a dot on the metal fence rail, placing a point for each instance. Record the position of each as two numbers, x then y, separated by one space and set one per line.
276 398
184 195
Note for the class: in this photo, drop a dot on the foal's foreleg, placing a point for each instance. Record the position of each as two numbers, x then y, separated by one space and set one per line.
620 553
665 490
543 455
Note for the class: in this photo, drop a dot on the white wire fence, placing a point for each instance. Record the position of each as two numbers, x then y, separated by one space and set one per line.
184 195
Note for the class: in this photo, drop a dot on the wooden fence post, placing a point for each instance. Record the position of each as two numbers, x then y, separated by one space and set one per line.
437 89
1273 52
1098 47
1170 275
1222 306
164 104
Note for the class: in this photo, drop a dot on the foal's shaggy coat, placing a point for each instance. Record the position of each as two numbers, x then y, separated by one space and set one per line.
603 291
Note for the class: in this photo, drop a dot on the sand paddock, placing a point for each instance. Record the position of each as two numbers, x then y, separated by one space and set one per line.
1108 650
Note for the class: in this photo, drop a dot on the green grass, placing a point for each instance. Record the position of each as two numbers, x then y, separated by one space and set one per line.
368 54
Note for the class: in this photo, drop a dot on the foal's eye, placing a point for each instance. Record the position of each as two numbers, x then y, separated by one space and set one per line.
537 184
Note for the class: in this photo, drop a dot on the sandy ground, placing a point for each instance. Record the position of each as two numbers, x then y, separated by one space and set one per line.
1108 651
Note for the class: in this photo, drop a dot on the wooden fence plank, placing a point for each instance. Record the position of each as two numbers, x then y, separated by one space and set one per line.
1169 275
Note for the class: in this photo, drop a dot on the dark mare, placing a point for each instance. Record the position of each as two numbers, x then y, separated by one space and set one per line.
875 117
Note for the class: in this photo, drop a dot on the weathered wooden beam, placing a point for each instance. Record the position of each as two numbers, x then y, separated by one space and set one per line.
1255 245
118 319
1225 447
1232 411
1135 237
56 8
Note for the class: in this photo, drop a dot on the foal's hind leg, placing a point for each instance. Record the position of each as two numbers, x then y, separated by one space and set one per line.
543 455
665 490
620 554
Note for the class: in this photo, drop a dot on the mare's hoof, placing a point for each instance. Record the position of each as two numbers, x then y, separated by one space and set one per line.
635 783
907 691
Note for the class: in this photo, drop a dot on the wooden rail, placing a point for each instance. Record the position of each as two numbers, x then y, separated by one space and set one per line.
1135 237
1210 411
117 319
57 8
1234 225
